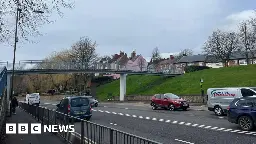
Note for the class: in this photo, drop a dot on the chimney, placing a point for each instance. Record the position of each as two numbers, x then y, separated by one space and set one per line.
171 57
133 54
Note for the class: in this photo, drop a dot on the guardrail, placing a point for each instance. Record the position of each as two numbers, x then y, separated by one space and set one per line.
89 132
3 99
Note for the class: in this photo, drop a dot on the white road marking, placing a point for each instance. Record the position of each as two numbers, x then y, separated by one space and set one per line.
228 130
47 103
168 121
126 108
221 117
221 129
111 123
194 125
187 124
235 131
208 127
183 141
214 128
175 122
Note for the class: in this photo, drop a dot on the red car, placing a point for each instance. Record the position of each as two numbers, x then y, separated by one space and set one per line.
168 101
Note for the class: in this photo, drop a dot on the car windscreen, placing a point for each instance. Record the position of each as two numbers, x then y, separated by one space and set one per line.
77 102
172 96
253 88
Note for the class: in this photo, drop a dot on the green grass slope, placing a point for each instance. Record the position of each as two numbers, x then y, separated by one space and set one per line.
186 84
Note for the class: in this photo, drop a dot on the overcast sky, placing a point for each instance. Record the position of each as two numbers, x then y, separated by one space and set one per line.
170 25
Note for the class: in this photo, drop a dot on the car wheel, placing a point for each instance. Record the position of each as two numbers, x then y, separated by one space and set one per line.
96 105
246 123
171 107
153 106
218 111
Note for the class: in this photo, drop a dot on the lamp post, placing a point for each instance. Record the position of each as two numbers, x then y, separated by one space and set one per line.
202 91
18 12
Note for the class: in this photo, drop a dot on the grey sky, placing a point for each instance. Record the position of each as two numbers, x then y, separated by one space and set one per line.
117 25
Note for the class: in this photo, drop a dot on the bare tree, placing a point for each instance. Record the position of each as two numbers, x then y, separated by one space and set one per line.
29 19
221 45
141 63
156 54
248 38
84 56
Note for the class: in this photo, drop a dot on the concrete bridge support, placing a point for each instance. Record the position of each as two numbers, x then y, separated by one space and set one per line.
122 86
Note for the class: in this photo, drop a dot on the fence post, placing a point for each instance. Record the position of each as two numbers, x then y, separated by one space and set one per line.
111 135
38 113
48 116
82 132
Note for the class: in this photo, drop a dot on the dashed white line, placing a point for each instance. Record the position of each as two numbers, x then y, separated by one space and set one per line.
194 125
168 121
175 122
207 127
183 141
188 124
161 120
126 108
183 123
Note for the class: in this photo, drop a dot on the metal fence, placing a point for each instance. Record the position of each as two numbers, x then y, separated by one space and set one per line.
3 99
86 131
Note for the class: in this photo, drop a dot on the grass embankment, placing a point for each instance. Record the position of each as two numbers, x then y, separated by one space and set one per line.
186 84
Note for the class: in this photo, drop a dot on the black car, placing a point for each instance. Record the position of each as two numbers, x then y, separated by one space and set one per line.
76 106
242 111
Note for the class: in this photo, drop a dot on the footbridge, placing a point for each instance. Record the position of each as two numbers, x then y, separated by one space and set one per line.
67 69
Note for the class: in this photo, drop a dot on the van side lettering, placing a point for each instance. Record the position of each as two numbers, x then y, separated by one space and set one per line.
216 93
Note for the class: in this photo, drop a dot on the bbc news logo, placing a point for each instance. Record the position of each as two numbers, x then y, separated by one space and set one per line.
36 128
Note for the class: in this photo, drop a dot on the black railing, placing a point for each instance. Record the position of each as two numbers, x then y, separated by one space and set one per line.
85 131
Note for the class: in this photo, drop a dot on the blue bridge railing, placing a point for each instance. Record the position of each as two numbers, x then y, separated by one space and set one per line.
3 80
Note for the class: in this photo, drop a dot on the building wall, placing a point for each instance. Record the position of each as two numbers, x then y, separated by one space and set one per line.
136 66
215 65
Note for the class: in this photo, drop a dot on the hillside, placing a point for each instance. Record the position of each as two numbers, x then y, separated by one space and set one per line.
186 84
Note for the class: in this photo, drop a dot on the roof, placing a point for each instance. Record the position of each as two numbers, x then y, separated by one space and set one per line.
193 58
134 58
122 60
241 55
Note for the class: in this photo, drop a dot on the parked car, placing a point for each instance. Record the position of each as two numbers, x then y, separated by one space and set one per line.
76 106
33 99
168 101
220 98
242 111
93 101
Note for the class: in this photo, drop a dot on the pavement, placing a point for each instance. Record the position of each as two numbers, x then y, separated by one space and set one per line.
194 126
23 117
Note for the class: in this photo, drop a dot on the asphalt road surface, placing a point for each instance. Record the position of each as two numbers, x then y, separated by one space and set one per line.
168 127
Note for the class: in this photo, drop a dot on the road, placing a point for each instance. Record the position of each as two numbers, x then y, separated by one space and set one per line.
174 127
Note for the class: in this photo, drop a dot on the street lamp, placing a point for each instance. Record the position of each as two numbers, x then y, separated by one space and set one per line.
18 12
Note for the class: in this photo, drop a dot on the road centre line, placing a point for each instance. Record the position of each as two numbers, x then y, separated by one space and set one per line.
187 124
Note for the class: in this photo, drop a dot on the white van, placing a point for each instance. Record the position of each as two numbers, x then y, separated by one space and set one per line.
218 99
33 99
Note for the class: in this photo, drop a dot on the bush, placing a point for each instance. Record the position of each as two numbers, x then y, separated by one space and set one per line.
189 69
